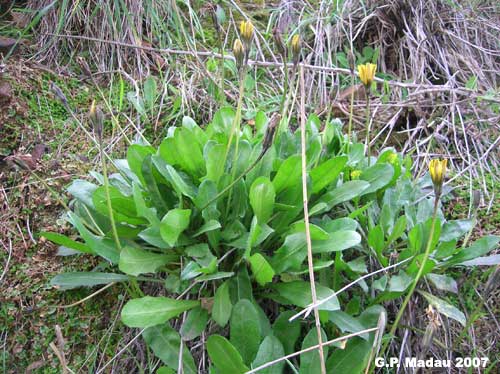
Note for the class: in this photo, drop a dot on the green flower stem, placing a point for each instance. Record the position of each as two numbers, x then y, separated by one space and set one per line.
108 197
367 126
235 130
237 116
222 60
417 278
351 113
287 95
285 88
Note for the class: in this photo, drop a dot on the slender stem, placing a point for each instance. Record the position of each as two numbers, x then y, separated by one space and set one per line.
285 89
368 122
236 116
306 219
108 197
235 130
351 113
417 278
222 96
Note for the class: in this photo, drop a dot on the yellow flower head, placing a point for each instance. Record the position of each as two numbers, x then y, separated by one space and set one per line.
437 168
239 53
295 47
367 73
355 174
246 32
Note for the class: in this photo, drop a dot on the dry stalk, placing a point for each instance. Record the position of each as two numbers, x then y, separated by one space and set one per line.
306 218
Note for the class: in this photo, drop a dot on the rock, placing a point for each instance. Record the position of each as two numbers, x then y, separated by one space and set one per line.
6 44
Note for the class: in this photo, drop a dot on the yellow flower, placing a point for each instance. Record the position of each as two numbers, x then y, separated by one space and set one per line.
355 174
295 46
392 158
246 32
437 168
367 73
239 53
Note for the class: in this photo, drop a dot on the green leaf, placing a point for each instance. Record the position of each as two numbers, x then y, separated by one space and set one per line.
291 254
378 175
400 282
194 324
136 153
134 261
358 265
222 307
136 100
165 343
68 281
347 323
245 329
173 224
102 246
299 293
398 230
288 174
479 248
224 356
214 153
180 182
152 186
150 91
325 173
445 249
483 261
317 233
376 239
123 207
83 190
66 242
310 362
261 269
353 359
270 349
287 332
215 276
262 197
210 225
443 282
347 191
337 241
241 287
184 150
455 229
444 307
150 311
142 209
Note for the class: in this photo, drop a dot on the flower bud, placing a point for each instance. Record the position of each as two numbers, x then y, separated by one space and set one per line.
355 174
96 119
367 73
278 41
246 33
295 47
239 53
437 168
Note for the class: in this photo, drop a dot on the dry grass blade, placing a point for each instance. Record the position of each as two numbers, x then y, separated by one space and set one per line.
306 218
